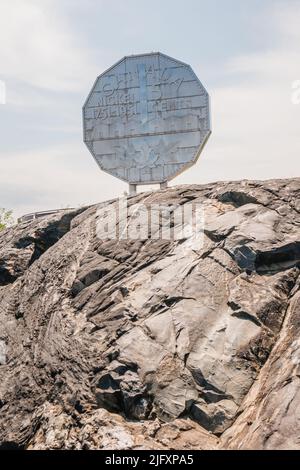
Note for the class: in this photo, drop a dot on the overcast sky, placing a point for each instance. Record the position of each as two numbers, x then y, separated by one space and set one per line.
246 53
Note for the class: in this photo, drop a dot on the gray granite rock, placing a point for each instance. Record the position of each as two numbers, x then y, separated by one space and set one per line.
160 342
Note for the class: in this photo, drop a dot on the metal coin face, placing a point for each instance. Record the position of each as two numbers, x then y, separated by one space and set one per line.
146 119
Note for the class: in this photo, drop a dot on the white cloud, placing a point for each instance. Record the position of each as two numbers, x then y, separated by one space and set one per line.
286 18
56 177
256 126
38 46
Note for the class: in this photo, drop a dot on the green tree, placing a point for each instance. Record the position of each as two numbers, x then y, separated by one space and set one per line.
6 218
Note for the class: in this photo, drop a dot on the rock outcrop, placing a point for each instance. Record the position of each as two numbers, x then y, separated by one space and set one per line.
160 342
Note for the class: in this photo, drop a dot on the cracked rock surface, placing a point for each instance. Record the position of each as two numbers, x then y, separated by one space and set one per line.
189 343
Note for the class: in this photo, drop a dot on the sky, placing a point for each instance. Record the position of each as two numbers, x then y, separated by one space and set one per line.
245 52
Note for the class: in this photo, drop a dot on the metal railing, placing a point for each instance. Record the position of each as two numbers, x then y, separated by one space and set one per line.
40 214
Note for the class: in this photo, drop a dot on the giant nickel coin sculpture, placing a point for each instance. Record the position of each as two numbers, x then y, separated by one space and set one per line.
146 119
